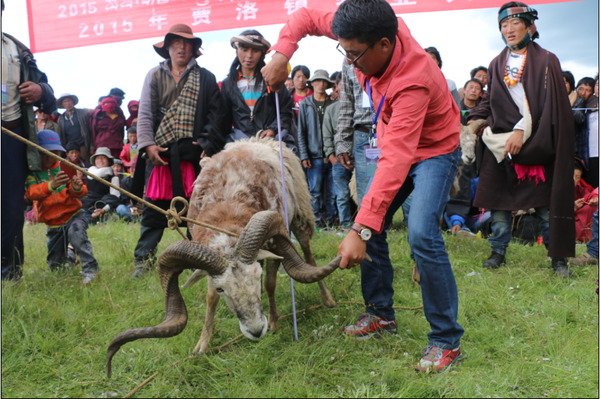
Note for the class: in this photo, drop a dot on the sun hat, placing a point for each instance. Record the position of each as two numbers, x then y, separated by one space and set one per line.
66 95
250 38
102 151
321 74
178 30
49 140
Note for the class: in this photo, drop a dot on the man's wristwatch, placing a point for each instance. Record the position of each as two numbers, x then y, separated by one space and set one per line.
363 232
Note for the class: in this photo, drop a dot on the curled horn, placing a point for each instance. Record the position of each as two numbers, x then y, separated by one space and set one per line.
177 257
269 224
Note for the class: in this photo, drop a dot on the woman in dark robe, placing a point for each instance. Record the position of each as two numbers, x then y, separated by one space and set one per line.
528 157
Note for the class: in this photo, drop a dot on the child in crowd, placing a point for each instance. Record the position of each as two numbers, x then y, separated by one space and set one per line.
73 156
126 209
130 149
59 208
100 201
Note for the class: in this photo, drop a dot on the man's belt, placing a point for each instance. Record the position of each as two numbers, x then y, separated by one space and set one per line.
362 128
11 124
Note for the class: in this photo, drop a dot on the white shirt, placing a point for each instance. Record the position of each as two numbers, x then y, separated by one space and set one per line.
516 91
593 134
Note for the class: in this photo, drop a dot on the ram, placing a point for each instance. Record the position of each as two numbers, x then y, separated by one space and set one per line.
239 190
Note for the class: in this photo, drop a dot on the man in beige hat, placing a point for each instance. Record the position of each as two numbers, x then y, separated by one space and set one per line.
73 125
310 143
180 118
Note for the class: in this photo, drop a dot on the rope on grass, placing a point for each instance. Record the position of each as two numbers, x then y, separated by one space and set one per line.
220 348
174 218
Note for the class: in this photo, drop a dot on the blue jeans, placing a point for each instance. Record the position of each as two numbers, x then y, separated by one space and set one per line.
362 182
592 246
341 178
502 228
123 212
406 208
429 181
318 174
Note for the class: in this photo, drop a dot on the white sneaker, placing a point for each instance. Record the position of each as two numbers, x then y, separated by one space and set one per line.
88 277
465 234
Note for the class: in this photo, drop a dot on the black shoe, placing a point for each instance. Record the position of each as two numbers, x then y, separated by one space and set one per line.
494 261
561 267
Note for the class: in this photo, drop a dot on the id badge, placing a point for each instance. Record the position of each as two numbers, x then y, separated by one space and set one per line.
371 157
4 95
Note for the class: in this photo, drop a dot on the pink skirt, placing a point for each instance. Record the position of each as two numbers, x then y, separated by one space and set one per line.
160 183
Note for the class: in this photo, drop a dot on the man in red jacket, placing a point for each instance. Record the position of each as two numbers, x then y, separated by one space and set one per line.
416 124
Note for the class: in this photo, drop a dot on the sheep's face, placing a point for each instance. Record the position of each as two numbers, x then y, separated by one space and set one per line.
467 142
240 287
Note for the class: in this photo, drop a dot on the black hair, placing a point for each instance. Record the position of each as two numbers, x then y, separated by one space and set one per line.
536 35
577 166
587 81
475 70
473 80
302 68
132 129
336 77
235 65
365 20
436 53
570 79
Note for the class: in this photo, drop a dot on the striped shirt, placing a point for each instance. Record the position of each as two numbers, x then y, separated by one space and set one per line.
250 91
351 111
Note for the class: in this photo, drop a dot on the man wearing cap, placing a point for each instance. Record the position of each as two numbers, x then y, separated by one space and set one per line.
73 125
310 143
117 94
249 106
179 119
23 85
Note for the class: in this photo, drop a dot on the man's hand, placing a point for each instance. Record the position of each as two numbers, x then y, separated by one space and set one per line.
353 250
30 92
579 204
346 161
455 229
333 159
514 143
60 179
153 152
267 133
306 164
275 73
97 213
76 182
593 202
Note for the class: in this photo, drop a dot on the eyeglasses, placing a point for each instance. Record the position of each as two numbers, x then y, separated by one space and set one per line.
360 55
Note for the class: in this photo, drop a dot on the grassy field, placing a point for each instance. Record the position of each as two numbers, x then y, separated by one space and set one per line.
528 333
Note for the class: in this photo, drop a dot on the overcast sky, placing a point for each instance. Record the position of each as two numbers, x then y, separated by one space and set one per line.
465 39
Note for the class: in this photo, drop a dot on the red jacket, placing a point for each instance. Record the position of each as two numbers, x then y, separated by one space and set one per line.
107 132
419 118
54 208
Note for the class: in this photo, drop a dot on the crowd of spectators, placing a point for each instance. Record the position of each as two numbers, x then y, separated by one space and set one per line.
325 118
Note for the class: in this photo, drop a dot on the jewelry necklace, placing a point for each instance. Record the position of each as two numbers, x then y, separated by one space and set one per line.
507 79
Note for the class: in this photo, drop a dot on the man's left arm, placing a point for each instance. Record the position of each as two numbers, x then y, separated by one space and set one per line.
398 147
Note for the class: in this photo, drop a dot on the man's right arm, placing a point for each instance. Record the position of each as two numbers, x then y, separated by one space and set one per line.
303 22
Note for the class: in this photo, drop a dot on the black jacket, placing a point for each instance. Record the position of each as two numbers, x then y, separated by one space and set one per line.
264 116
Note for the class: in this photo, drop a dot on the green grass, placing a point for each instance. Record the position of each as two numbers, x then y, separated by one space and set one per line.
527 332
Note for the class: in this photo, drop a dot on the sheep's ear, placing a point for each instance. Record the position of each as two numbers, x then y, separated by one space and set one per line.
262 254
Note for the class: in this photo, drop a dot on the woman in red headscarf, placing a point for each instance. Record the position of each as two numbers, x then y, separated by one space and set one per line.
107 125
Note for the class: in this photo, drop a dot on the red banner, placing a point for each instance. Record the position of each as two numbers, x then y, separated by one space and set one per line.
60 24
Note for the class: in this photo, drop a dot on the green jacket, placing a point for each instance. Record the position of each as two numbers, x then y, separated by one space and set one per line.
31 73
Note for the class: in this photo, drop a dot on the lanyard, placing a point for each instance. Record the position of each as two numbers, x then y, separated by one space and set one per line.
376 116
